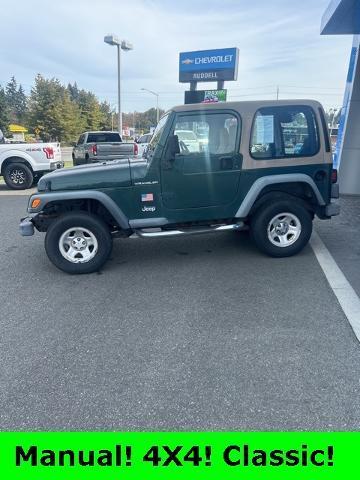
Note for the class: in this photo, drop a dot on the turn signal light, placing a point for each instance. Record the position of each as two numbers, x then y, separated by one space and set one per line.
36 203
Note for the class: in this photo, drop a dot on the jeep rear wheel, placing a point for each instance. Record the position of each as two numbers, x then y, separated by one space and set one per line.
18 176
282 229
78 243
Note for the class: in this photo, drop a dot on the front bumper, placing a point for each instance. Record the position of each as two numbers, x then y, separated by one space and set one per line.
26 227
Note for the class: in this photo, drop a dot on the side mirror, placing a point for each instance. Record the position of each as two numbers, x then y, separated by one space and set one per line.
74 144
173 147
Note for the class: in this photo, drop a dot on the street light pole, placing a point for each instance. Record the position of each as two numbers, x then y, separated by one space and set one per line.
157 109
123 45
157 102
119 91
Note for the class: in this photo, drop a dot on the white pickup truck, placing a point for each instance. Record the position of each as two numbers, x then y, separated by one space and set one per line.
22 164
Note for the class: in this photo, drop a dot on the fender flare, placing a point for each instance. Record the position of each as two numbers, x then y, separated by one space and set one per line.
101 197
265 181
13 153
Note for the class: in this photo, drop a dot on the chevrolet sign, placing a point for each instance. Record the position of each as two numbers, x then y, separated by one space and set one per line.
208 65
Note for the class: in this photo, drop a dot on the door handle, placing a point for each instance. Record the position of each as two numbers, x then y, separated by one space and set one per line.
233 162
226 163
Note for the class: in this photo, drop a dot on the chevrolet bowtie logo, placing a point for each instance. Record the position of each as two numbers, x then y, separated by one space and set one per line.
187 61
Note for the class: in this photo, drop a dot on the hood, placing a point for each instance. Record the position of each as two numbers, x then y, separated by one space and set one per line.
94 176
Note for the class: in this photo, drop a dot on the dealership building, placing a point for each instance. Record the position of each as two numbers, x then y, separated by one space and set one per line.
342 17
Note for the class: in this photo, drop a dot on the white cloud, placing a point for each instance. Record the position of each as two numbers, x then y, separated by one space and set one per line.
279 44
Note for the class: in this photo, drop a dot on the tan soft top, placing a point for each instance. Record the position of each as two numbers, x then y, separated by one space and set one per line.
246 105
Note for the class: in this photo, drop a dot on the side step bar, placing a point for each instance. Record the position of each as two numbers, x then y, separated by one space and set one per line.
156 232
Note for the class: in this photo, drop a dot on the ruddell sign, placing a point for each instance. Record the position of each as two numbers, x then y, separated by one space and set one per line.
208 65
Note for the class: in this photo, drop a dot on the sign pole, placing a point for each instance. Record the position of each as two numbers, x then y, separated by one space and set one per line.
119 91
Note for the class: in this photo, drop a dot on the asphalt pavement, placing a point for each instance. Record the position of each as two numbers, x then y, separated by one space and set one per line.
341 236
197 333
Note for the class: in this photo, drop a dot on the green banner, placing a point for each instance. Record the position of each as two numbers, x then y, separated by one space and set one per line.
200 455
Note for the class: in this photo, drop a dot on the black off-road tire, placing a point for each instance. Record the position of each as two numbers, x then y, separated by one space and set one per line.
18 176
86 221
260 228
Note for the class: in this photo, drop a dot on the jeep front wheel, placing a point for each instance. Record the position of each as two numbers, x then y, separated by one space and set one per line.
282 229
78 243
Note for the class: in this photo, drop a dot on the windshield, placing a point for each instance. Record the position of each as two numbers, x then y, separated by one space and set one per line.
156 136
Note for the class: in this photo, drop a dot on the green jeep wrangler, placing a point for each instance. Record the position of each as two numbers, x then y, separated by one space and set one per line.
264 166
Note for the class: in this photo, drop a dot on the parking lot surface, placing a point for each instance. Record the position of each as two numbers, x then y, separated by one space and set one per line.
341 236
201 333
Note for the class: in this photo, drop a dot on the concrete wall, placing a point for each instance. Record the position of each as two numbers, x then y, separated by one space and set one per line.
348 148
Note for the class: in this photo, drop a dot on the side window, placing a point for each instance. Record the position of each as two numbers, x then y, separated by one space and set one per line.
81 139
281 132
211 133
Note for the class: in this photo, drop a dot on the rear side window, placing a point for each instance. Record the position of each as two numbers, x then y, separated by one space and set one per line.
286 131
106 137
81 139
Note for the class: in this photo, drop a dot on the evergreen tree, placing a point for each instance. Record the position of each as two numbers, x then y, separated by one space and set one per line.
73 92
20 104
105 123
4 112
90 110
52 111
11 98
68 119
16 101
62 112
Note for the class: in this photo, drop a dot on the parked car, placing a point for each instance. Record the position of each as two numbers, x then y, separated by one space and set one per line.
101 146
175 191
22 164
142 143
188 139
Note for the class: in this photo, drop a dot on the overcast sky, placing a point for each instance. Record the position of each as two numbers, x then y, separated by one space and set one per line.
279 44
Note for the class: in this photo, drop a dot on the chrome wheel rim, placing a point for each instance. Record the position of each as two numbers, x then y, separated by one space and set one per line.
284 229
17 176
78 245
